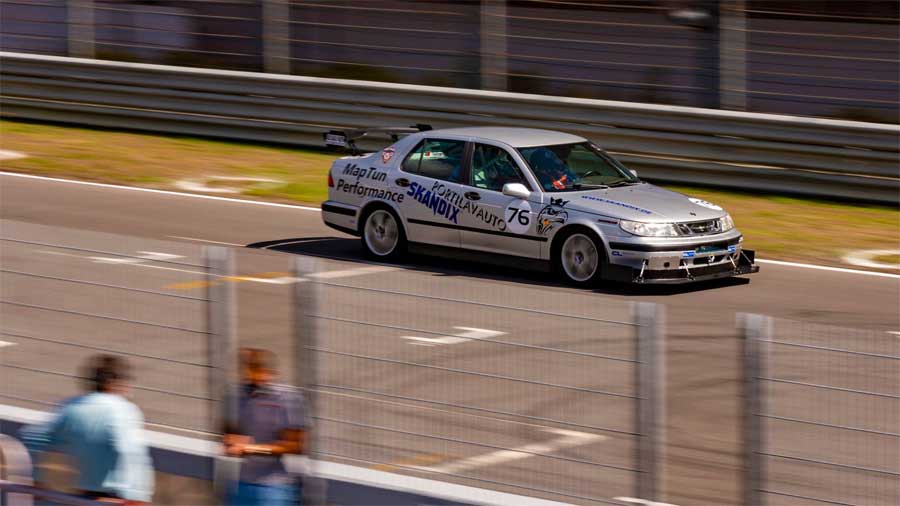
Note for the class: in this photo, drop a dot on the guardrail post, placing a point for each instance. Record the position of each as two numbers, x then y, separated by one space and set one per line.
493 45
754 330
306 364
650 412
222 355
276 34
80 25
733 55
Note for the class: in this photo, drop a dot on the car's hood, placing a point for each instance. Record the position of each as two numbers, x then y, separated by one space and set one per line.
643 202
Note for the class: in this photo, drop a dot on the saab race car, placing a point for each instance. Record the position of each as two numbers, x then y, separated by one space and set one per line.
526 194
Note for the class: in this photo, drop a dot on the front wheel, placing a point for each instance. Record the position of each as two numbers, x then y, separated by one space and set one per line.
382 235
579 258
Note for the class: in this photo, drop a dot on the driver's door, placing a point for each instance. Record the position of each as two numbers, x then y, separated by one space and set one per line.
492 221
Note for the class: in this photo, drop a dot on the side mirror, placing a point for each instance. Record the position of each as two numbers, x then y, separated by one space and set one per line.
517 190
633 172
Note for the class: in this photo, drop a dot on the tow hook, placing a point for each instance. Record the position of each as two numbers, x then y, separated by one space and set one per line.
690 276
640 278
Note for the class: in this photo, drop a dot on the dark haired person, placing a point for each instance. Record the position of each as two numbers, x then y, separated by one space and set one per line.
272 422
103 433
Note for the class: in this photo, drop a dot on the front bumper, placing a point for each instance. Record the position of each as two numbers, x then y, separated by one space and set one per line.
660 268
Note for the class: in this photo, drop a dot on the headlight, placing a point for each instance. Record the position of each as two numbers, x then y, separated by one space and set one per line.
726 223
649 229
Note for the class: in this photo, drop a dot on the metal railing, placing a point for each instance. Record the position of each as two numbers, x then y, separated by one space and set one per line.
822 407
16 487
667 143
402 393
774 56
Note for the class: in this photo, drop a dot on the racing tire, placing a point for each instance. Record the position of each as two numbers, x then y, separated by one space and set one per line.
579 257
382 235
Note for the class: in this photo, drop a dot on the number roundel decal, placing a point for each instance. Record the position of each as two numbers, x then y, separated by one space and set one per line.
518 216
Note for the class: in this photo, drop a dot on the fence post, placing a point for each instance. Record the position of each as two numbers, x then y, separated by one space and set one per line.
650 411
754 330
733 55
305 365
222 355
80 24
493 45
276 32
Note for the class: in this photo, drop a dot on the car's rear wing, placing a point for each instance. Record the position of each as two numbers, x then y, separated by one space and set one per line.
346 139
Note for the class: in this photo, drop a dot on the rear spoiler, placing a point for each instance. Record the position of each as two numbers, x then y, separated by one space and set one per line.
346 139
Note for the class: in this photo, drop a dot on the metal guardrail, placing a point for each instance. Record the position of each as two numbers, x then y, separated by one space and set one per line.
762 152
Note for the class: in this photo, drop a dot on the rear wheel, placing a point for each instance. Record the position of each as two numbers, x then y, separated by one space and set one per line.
579 258
382 235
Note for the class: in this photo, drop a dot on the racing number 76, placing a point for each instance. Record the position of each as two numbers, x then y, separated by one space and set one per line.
521 215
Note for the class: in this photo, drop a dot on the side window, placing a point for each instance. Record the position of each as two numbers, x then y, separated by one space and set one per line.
438 159
493 167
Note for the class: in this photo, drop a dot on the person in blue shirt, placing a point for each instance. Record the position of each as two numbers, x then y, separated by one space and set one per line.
103 432
272 422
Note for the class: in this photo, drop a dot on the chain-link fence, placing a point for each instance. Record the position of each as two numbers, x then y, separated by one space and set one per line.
821 58
69 295
822 414
511 388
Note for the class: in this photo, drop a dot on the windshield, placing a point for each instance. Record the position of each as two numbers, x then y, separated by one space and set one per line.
574 167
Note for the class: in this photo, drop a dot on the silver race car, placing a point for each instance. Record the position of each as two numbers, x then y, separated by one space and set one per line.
521 193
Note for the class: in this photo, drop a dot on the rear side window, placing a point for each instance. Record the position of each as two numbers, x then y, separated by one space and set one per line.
438 159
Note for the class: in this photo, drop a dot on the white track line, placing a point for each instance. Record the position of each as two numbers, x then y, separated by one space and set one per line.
160 192
4 344
832 269
316 209
195 239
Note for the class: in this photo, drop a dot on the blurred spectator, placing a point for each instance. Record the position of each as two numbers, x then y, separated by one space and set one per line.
103 432
272 421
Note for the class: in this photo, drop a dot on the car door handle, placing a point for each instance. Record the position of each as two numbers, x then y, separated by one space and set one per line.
472 196
402 182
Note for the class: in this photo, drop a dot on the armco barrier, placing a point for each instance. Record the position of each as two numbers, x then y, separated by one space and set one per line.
763 152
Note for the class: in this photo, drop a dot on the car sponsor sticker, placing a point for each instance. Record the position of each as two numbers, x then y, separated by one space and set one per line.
434 155
703 203
387 154
518 216
552 214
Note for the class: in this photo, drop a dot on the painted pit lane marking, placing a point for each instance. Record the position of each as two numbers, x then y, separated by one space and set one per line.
866 258
469 334
568 439
278 278
4 344
644 502
200 185
6 154
317 210
59 253
359 271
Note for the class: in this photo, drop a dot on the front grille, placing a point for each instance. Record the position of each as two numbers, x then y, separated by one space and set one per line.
700 227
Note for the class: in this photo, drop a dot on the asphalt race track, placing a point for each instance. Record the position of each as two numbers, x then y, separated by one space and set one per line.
703 453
